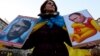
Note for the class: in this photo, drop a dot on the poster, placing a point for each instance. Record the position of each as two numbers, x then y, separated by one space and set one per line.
17 32
82 28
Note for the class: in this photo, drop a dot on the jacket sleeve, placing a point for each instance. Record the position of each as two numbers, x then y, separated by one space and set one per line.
30 42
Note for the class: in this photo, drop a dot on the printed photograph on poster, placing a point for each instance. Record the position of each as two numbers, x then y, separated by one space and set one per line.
82 28
17 32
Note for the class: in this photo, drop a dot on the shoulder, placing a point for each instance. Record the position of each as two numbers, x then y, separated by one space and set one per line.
59 16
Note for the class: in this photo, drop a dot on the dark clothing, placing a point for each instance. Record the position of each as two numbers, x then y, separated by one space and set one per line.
48 41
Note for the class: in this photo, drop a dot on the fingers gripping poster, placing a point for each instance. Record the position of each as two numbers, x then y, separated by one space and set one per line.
82 28
17 32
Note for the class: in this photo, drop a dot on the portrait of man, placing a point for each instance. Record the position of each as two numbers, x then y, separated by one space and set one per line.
15 32
82 28
16 29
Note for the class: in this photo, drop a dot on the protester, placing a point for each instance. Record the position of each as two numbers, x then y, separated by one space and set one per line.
49 36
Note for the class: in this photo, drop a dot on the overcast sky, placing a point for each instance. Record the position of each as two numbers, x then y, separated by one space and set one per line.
10 9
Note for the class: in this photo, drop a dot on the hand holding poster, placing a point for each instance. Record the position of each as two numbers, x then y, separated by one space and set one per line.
17 31
82 28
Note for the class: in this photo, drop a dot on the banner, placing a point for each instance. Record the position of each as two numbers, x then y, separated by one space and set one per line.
17 32
82 28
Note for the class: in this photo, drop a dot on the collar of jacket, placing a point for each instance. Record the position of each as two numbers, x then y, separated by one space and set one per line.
47 15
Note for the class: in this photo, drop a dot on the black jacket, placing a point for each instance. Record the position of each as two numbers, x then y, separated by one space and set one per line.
48 41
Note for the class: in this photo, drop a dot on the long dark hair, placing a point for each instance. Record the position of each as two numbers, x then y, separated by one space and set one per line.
44 4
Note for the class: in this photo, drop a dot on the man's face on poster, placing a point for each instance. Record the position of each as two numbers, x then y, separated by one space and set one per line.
17 29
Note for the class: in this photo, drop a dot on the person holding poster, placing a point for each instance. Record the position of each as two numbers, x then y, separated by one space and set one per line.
50 37
49 34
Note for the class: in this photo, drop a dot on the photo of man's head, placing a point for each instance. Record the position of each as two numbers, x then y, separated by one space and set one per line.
18 31
18 28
